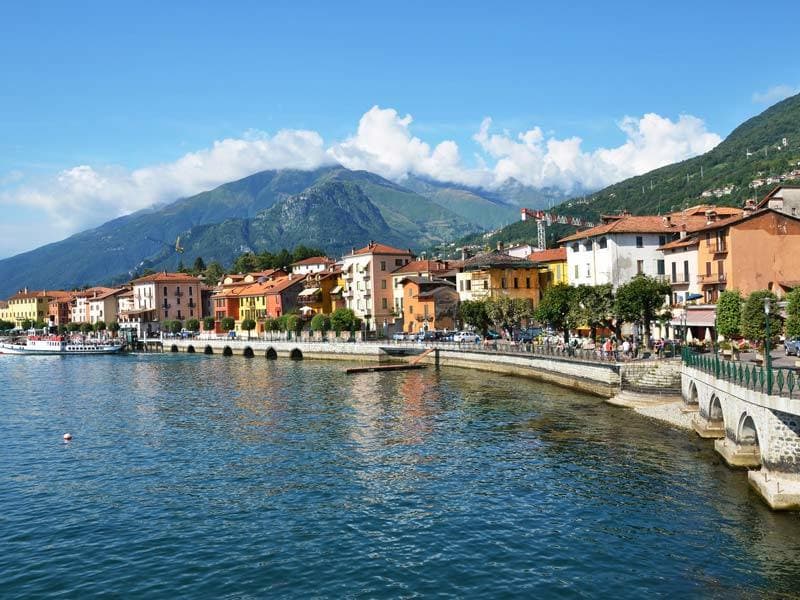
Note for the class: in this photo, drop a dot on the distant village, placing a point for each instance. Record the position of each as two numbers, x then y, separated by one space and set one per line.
698 253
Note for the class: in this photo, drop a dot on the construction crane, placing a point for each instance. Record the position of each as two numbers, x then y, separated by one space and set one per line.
176 247
544 218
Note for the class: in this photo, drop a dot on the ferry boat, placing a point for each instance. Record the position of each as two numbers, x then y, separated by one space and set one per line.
57 344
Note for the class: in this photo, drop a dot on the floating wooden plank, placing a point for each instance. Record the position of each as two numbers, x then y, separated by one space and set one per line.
374 368
416 360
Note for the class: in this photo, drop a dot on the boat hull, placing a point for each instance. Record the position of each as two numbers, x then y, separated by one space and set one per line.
69 350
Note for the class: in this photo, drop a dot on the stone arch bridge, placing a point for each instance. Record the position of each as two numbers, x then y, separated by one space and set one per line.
753 414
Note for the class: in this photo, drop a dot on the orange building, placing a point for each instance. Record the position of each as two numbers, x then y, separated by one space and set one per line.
429 304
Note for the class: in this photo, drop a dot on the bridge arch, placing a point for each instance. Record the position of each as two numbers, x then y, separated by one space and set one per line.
190 349
271 354
208 350
248 352
296 354
173 348
226 351
692 398
747 435
716 416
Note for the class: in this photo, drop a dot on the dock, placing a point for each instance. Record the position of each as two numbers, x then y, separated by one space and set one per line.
374 368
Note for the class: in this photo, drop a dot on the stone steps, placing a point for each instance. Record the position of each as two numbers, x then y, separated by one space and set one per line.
636 399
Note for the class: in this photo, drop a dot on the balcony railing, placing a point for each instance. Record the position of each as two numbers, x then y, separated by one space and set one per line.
712 278
178 293
720 248
166 305
681 279
192 304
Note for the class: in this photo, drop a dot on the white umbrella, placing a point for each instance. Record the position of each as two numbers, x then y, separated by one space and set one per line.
708 334
689 337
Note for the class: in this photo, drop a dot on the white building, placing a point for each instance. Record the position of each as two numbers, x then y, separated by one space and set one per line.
315 264
681 260
104 307
367 275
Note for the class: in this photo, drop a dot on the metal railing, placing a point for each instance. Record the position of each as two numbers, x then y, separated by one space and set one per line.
775 380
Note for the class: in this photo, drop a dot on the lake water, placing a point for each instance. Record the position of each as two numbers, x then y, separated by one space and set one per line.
211 477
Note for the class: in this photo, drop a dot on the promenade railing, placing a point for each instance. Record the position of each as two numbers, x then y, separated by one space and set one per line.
782 381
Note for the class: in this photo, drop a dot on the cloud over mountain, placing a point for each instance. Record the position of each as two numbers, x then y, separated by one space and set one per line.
86 195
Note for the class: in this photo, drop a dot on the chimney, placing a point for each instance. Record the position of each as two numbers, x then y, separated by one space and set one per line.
464 253
711 216
668 220
683 231
501 247
748 208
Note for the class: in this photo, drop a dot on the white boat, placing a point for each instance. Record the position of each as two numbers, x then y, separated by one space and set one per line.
56 344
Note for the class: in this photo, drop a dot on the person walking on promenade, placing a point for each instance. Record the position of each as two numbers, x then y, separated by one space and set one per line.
626 349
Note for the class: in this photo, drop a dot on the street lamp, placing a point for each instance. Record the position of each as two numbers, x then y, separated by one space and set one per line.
767 357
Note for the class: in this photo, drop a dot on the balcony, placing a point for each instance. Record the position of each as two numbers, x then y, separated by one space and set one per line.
682 279
720 248
192 304
178 293
712 279
166 305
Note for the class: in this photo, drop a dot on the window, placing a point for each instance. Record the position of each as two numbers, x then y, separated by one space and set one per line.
662 239
686 271
384 303
461 286
639 242
674 273
409 292
575 247
469 285
177 300
602 243
165 290
383 284
639 267
588 270
528 282
576 272
660 267
516 283
708 269
191 313
503 282
485 284
190 290
383 265
398 262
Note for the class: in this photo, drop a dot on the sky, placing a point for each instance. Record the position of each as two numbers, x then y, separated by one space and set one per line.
107 108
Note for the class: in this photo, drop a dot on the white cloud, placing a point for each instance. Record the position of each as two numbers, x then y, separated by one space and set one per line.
775 94
85 195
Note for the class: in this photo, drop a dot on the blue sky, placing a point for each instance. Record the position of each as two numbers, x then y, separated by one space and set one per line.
111 89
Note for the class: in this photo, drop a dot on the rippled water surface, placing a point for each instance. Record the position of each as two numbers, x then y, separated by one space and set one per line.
211 477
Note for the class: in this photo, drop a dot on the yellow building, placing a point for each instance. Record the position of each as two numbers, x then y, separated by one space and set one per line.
552 266
5 314
497 274
28 305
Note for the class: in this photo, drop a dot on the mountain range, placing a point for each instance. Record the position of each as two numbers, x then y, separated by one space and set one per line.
332 208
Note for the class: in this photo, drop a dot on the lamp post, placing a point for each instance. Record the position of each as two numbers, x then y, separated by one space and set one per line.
767 357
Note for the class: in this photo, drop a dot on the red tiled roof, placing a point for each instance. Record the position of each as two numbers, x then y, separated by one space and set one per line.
375 248
423 266
314 260
684 243
550 255
167 278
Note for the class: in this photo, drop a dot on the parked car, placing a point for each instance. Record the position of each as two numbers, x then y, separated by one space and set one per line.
792 347
492 335
428 336
527 335
466 337
399 336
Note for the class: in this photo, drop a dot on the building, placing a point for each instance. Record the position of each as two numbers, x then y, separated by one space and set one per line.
59 308
426 269
552 266
29 305
784 198
520 250
429 304
497 274
160 297
367 274
681 259
315 264
624 246
322 292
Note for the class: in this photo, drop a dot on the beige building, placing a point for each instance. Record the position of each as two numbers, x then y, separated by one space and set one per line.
368 278
160 297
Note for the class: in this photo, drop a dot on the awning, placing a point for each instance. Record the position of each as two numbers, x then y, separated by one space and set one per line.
306 309
308 292
337 290
700 317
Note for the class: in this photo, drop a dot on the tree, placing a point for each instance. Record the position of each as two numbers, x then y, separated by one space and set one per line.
729 313
87 328
507 313
73 326
641 300
113 327
176 326
181 267
473 313
62 329
245 263
100 326
248 325
199 266
26 324
213 274
754 321
208 323
556 308
227 324
343 319
593 306
793 314
193 325
320 322
290 322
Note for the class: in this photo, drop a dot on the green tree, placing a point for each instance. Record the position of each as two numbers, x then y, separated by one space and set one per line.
593 306
26 324
245 263
113 327
62 329
507 313
556 308
213 274
87 328
729 313
793 314
473 313
208 323
754 321
290 322
320 322
641 300
100 326
227 324
193 325
181 267
248 325
343 319
73 326
175 326
199 266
